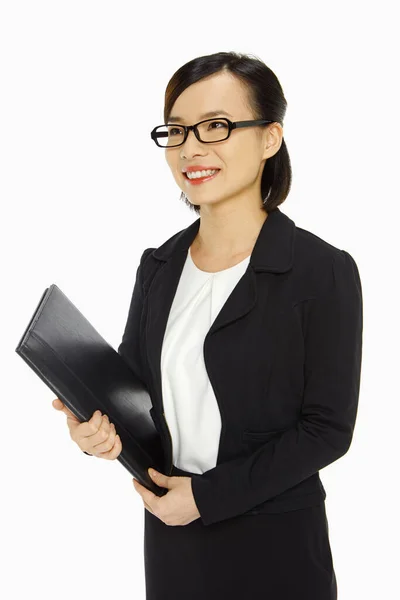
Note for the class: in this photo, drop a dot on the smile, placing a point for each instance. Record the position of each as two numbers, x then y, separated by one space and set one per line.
198 180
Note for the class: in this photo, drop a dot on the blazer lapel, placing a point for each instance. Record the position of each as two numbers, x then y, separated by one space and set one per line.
273 252
159 299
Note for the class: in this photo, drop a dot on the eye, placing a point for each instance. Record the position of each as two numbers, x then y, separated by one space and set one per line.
217 123
174 131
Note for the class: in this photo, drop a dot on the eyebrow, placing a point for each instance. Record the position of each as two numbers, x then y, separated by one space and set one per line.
211 113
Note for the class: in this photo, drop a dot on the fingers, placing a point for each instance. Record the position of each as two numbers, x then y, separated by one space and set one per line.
115 450
112 447
105 442
59 405
96 436
87 428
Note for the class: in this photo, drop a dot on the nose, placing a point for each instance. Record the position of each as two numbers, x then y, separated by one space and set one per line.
191 143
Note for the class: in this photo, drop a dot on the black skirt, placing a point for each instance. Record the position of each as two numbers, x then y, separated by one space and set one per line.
281 556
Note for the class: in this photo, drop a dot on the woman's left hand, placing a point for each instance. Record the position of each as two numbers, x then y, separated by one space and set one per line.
178 506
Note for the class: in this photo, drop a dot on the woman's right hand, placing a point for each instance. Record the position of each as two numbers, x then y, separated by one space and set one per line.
96 436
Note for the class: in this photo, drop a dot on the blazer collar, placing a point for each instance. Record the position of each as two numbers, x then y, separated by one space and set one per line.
272 252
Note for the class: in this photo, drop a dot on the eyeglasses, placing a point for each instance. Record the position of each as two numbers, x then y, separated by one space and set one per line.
207 131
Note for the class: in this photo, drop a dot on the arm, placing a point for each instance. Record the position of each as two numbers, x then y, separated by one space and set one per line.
333 349
129 348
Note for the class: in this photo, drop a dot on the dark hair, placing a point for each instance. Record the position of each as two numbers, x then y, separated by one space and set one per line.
266 100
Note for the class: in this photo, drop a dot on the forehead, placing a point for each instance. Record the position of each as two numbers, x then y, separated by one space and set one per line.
218 95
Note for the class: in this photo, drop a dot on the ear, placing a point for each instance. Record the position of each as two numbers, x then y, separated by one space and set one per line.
273 139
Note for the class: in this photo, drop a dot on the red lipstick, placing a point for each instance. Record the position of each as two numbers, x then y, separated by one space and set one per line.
197 168
200 180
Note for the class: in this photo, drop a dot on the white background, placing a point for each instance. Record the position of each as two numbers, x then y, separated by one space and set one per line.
84 190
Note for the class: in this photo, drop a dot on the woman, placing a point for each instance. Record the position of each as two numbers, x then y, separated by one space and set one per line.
248 332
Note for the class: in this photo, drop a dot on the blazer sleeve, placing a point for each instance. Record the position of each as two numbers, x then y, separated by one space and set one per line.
333 350
129 348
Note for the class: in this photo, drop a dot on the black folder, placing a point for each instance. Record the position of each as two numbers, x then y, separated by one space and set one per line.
87 374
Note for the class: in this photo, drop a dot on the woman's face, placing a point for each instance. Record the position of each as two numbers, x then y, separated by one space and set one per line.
241 157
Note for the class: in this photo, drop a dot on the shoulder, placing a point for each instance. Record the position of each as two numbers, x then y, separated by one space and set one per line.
311 247
154 257
145 255
320 262
147 267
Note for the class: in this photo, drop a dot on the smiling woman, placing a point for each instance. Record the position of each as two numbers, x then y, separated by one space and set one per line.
224 104
247 331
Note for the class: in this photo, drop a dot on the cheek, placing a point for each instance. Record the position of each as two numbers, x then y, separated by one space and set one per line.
169 160
172 159
242 159
173 164
242 169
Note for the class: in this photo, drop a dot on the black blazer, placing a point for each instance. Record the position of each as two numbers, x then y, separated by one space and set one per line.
283 356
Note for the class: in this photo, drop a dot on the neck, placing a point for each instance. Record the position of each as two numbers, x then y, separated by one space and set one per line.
228 235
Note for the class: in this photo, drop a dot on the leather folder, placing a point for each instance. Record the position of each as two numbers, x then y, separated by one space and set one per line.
87 374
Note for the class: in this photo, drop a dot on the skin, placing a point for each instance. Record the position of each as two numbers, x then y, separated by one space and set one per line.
178 506
98 437
231 213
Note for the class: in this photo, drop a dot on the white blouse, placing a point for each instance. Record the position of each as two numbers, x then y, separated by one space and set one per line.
191 409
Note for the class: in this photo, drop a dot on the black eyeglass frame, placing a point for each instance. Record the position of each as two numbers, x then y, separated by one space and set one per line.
231 125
